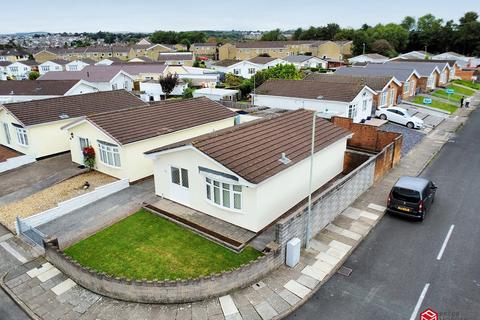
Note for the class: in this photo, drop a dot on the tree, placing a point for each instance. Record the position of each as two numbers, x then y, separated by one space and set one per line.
33 75
383 47
469 33
188 93
297 34
274 35
428 28
280 71
409 23
168 83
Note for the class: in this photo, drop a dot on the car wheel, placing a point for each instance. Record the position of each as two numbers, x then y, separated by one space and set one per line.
422 217
383 117
410 125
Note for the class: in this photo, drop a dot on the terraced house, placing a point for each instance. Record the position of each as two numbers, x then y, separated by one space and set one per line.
121 137
336 50
34 127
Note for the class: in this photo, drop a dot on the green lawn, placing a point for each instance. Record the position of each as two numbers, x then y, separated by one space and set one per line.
460 90
436 104
442 94
145 245
469 84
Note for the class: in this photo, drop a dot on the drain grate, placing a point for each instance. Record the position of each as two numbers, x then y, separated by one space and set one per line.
258 285
344 271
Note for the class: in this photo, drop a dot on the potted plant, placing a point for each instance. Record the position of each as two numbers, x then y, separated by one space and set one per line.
89 157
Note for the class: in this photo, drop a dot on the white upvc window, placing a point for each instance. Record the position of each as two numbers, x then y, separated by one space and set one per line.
22 136
73 67
392 97
13 69
364 106
251 70
352 111
430 81
383 98
109 154
179 176
406 87
236 71
223 194
45 68
6 130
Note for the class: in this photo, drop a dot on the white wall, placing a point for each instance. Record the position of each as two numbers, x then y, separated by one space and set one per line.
363 58
121 81
261 204
48 66
242 67
21 72
76 65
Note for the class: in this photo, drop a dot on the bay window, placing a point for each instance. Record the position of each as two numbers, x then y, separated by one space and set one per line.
224 194
109 154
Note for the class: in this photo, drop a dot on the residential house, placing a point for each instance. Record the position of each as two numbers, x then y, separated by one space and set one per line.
414 55
151 90
329 99
447 68
280 49
19 70
3 70
13 55
78 65
450 56
52 65
121 137
177 58
267 62
141 59
108 62
217 94
251 174
429 73
245 69
368 57
34 127
408 78
150 50
46 54
17 91
197 77
387 88
105 78
205 49
304 62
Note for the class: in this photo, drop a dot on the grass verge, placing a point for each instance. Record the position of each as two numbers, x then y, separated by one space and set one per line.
461 90
469 84
145 245
441 93
436 104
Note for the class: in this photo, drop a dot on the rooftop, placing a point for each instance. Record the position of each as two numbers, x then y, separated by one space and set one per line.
310 89
54 109
384 70
135 124
226 62
262 60
375 83
297 58
36 87
252 150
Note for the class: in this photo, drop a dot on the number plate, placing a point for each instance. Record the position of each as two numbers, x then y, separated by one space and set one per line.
404 209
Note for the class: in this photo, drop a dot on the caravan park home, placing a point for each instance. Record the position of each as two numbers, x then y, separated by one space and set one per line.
34 127
327 98
121 137
248 175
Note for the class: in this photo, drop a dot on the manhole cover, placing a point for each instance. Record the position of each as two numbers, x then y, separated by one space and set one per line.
258 285
344 271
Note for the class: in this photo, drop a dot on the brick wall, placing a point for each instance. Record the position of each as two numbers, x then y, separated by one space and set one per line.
326 205
180 291
464 74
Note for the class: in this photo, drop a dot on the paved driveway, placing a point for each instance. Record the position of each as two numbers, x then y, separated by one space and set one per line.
90 219
430 118
410 136
21 182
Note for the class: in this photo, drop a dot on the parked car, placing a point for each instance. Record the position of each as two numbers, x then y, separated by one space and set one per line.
401 116
411 197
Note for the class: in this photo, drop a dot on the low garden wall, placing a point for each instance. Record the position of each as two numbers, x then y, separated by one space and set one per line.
157 291
16 162
70 205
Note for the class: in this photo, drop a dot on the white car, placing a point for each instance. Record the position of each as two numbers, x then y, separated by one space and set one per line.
399 115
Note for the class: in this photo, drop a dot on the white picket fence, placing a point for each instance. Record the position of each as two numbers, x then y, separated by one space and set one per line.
70 205
16 162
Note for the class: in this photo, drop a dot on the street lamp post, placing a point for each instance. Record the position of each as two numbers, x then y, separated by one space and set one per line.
310 186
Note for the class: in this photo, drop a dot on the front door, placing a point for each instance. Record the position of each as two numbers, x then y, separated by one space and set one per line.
83 144
179 185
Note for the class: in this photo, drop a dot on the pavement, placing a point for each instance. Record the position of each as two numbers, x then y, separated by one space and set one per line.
49 294
21 182
404 267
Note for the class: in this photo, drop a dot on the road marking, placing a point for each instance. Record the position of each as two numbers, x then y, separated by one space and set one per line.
420 301
13 252
444 245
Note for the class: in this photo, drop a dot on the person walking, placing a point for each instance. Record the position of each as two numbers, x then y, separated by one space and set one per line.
461 103
467 103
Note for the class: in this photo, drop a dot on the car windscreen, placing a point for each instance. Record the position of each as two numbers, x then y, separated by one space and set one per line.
407 195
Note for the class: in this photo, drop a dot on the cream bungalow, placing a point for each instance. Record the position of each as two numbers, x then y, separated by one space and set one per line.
52 65
34 127
329 99
251 174
121 137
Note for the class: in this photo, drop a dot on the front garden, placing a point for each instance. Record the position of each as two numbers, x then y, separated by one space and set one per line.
437 104
146 246
470 84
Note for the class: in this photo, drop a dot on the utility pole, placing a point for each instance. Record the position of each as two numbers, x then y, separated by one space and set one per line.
364 48
310 187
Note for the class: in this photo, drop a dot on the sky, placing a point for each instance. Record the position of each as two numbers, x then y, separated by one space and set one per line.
150 15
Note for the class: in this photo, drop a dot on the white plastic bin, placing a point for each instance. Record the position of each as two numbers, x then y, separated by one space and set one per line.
293 252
